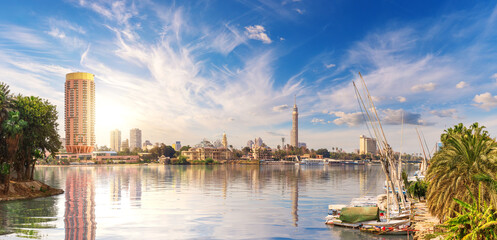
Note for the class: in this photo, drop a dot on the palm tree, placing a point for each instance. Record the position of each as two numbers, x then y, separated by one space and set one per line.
466 152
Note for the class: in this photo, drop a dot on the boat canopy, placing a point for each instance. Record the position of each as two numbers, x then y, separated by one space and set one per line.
336 206
359 214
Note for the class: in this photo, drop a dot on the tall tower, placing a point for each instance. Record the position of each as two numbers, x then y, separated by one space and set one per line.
135 138
295 125
80 112
115 140
225 141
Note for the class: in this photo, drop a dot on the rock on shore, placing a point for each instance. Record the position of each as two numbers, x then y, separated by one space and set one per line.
27 190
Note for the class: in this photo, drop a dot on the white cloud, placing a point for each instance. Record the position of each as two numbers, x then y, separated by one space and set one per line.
328 66
401 99
280 108
494 76
377 99
318 120
257 32
485 101
445 113
423 87
282 39
299 11
350 119
56 33
462 84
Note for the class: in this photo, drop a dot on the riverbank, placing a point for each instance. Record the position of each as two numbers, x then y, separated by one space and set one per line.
28 190
424 223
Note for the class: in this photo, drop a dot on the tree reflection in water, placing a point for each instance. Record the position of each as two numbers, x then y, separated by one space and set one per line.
24 217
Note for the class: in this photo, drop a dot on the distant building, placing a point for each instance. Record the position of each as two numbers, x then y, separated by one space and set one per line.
295 126
147 143
125 145
203 153
115 140
302 144
80 112
205 149
250 143
225 140
367 145
261 153
258 142
177 146
135 138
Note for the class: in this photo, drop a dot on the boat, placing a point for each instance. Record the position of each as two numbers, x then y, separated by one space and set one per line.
401 230
353 217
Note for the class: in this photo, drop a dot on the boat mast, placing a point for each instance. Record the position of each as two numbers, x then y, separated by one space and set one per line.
390 165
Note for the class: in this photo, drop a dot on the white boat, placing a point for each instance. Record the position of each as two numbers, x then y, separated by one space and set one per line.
312 161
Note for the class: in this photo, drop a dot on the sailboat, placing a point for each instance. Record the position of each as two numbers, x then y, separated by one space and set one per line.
397 204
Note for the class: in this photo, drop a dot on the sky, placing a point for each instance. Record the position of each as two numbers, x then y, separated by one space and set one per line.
189 70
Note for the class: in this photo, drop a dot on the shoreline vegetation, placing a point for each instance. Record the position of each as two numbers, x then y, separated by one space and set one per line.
461 189
28 131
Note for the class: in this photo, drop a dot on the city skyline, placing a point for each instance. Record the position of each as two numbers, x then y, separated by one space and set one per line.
193 70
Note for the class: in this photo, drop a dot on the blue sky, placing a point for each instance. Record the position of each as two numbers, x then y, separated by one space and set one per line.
188 70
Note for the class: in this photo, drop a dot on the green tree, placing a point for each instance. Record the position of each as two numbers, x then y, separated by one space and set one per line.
168 151
466 152
12 129
324 152
209 160
181 160
38 137
246 150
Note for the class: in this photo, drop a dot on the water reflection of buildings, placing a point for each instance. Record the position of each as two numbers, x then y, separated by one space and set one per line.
79 216
295 197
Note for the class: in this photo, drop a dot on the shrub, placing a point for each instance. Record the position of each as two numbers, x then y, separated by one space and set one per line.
209 161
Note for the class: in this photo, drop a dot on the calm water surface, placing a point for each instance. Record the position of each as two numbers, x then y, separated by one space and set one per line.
191 202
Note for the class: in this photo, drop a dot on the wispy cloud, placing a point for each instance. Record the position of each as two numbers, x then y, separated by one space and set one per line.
22 36
331 65
445 113
423 87
280 108
401 99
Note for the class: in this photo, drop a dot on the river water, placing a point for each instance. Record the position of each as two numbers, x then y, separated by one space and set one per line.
191 202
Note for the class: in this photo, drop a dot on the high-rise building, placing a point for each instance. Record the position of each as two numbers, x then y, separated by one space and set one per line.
225 140
250 143
367 145
80 112
115 140
295 126
177 146
135 138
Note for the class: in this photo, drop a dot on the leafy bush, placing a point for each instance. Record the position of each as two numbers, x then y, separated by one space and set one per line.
209 161
418 189
181 161
475 220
